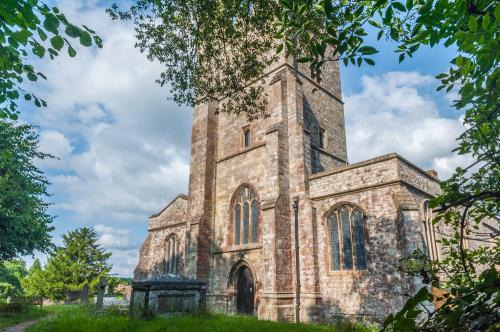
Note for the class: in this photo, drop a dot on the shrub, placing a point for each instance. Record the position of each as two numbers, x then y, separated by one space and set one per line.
12 308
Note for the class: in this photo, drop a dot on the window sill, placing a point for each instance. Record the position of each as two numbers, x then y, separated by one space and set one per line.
241 247
348 272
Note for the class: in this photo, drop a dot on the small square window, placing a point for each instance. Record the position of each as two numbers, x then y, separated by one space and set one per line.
246 137
321 138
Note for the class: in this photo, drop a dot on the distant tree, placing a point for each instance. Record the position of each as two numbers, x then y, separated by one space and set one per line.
35 283
24 221
11 274
31 27
78 262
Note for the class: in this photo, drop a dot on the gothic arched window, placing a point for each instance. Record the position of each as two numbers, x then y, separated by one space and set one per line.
430 244
347 240
172 254
245 216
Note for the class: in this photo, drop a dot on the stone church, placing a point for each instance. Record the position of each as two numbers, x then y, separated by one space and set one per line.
279 224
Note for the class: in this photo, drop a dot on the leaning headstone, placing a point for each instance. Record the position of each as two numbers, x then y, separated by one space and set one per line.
85 294
100 292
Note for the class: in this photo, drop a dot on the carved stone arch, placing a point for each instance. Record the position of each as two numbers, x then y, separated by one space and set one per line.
230 239
242 284
233 272
337 205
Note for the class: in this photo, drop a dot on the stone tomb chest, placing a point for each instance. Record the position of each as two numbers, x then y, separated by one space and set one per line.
168 296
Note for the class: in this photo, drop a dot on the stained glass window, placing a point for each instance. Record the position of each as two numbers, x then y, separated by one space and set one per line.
334 240
237 223
245 222
359 239
347 241
246 216
255 220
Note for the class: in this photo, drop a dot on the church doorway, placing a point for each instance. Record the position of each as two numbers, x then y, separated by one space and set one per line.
245 290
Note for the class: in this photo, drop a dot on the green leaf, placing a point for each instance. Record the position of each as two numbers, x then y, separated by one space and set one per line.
71 51
472 24
401 57
73 31
486 21
85 39
279 48
369 61
459 35
304 59
32 77
38 50
328 7
27 96
409 4
42 34
367 50
51 23
379 35
399 6
57 42
497 12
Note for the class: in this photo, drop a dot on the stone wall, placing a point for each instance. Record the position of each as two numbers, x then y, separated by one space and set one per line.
390 192
170 221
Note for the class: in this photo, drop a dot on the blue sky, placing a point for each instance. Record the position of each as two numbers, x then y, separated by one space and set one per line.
123 148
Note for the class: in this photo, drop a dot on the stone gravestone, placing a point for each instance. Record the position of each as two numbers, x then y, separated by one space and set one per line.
85 295
100 292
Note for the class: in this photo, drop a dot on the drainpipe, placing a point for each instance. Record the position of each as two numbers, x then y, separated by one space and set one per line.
297 261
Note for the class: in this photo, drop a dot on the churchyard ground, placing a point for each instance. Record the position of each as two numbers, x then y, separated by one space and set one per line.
76 319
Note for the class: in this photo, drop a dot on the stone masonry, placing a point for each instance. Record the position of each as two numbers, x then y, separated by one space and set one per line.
298 153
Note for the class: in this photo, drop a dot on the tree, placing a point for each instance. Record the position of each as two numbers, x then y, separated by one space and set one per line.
35 283
32 27
78 262
24 221
11 274
212 49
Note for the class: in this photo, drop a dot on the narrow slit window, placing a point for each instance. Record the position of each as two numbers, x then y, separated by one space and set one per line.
246 137
321 138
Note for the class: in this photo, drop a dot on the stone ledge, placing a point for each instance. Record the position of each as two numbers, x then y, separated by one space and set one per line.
371 162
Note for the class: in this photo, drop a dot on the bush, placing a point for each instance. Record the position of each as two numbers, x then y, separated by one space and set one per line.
12 308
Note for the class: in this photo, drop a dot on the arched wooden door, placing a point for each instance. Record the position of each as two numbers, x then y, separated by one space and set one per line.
245 291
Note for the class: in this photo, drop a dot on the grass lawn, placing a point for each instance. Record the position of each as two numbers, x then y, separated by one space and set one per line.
81 319
30 313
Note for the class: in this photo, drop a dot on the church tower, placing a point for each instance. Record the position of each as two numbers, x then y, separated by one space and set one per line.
278 224
244 179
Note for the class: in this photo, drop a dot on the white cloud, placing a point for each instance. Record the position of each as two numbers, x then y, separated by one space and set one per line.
393 113
123 147
55 143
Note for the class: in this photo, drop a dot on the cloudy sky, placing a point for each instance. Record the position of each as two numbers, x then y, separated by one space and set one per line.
123 148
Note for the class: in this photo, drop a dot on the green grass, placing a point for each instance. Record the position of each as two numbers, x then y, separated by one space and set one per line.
30 313
81 319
